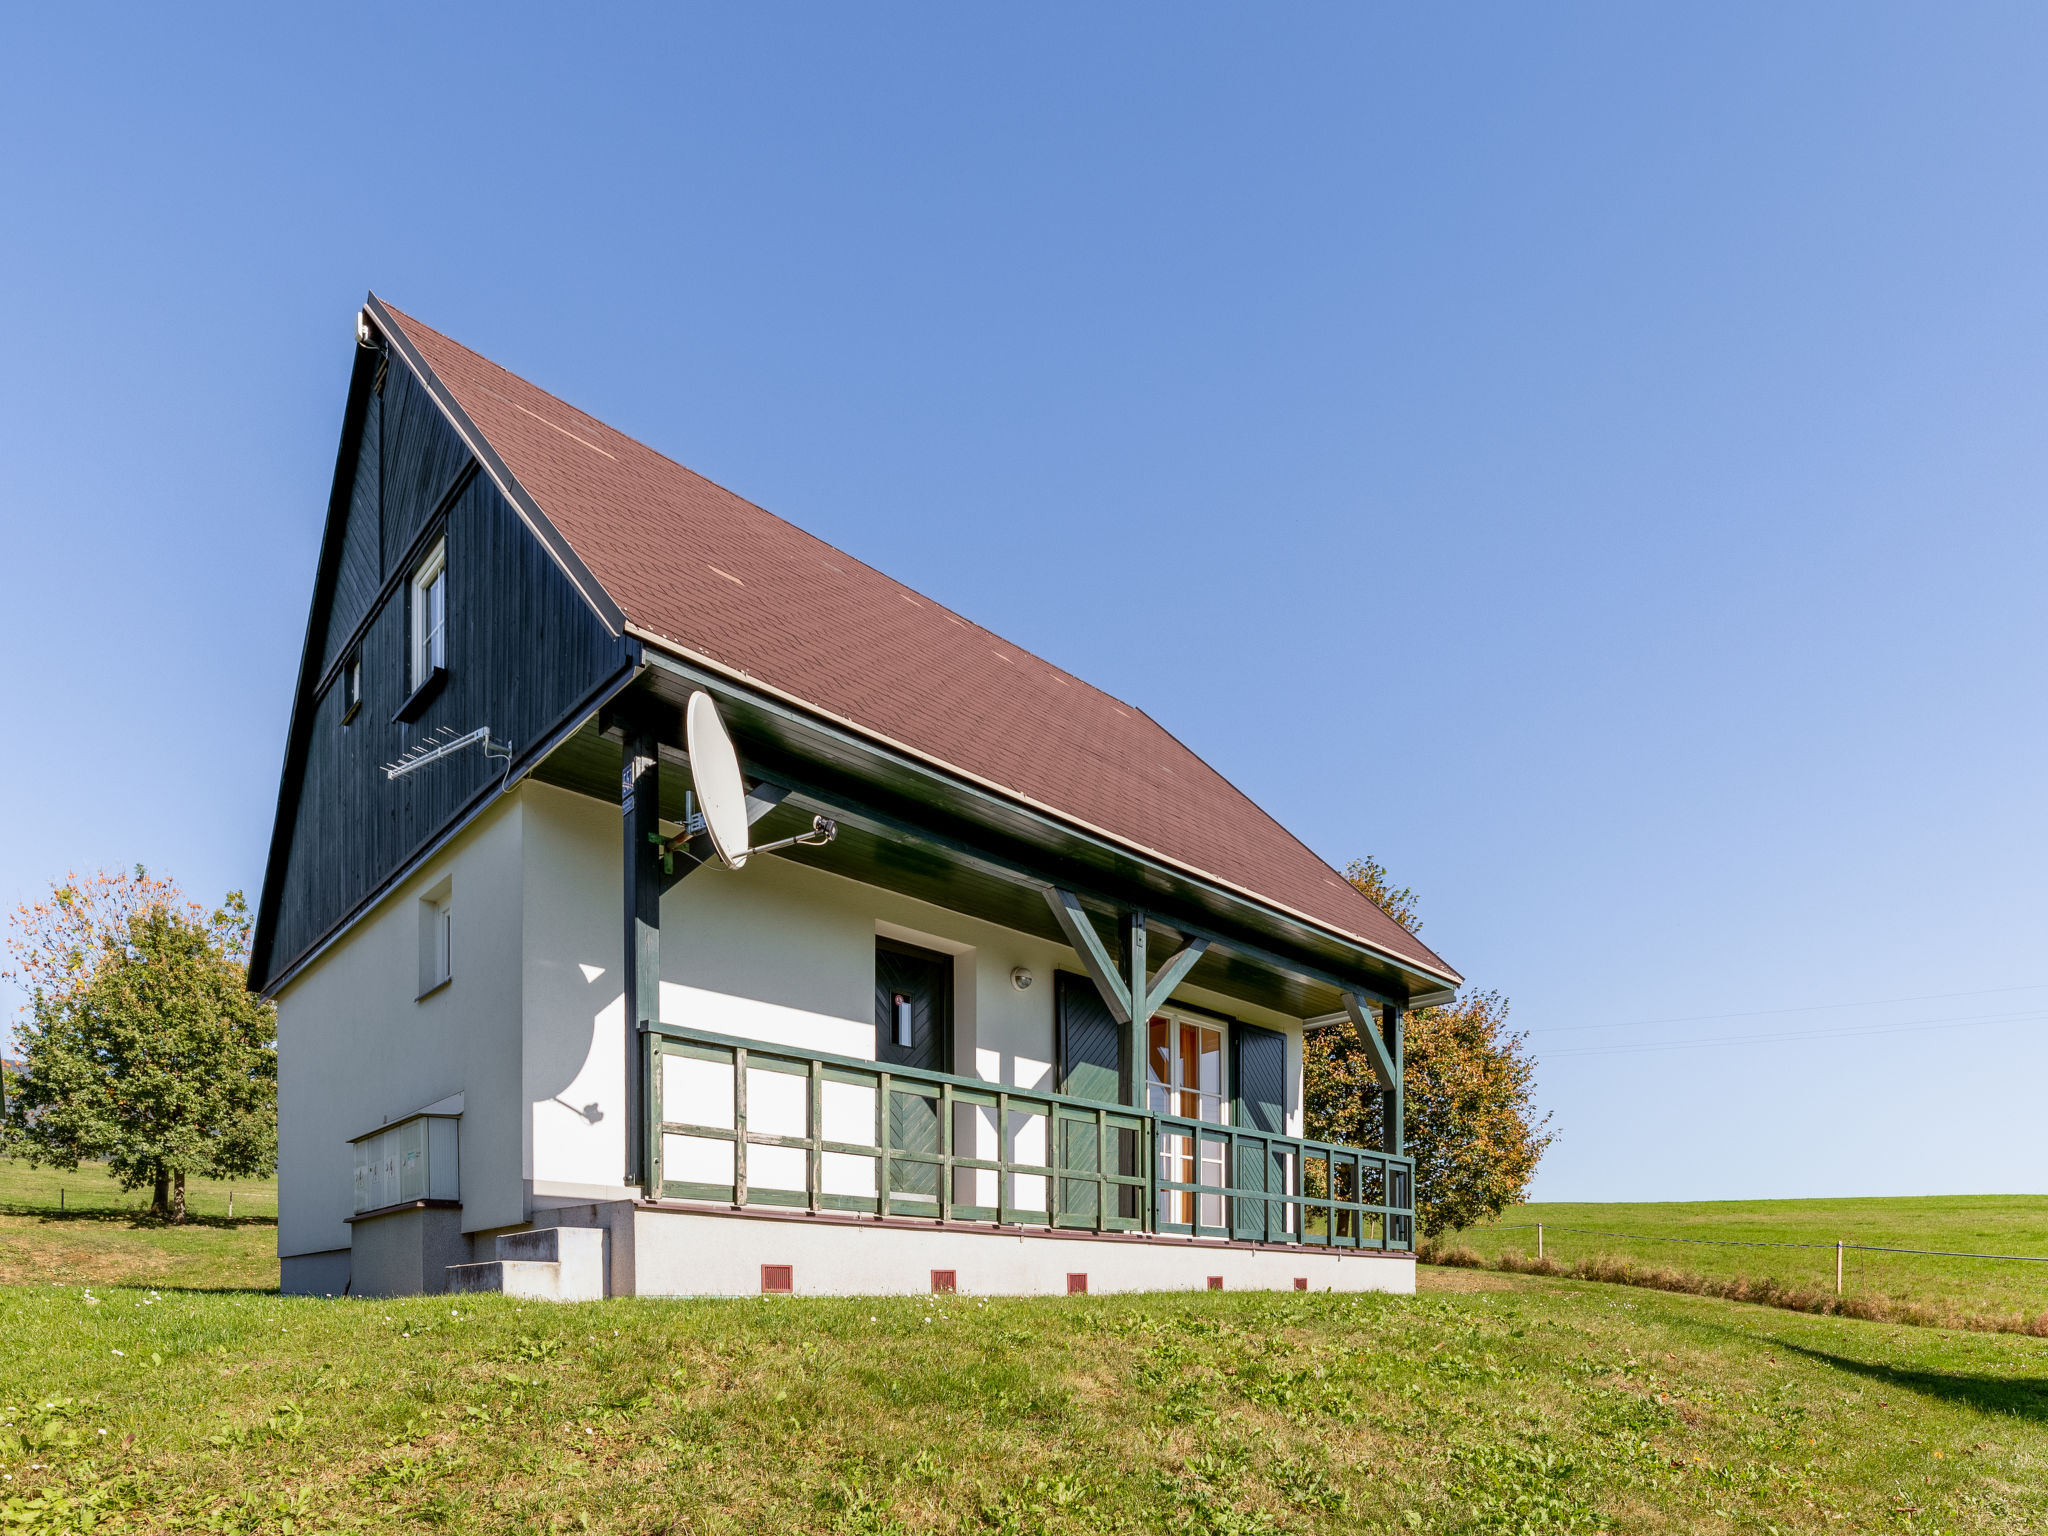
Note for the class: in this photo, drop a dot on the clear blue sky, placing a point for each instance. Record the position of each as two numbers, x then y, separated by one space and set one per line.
1590 458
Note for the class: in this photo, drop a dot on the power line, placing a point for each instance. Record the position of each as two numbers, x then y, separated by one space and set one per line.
1759 1013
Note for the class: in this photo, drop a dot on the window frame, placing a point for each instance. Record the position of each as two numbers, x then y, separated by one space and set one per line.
1177 1150
351 687
427 650
437 937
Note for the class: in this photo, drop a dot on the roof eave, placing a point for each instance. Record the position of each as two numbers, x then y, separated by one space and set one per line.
1264 915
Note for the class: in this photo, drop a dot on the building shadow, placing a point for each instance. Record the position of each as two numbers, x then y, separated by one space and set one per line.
2018 1397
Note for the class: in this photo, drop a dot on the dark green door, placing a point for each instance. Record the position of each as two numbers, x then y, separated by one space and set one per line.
913 1028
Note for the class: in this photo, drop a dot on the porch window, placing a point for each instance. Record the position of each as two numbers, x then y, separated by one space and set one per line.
1184 1077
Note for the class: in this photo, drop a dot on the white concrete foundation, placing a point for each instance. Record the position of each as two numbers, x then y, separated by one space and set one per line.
704 1253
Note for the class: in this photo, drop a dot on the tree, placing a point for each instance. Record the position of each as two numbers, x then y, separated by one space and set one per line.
143 1046
1467 1082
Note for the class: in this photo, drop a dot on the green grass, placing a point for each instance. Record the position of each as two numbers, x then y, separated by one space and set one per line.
2011 1224
1496 1405
98 1234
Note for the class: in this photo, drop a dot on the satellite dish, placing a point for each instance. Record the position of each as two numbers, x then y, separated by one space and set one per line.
721 792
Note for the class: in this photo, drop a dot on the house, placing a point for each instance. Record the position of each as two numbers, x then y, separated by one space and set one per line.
1030 1021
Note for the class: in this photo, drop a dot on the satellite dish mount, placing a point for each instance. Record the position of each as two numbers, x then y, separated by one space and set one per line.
722 810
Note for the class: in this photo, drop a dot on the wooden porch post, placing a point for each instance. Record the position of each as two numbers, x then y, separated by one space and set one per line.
1392 1109
1141 1015
640 805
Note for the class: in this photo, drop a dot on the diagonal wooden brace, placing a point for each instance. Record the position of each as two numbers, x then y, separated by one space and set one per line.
1144 991
1095 958
1368 1031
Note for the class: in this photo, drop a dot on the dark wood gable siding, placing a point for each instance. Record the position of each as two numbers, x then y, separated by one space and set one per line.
525 654
361 571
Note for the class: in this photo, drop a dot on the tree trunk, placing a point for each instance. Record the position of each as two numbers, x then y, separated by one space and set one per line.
178 1198
160 1202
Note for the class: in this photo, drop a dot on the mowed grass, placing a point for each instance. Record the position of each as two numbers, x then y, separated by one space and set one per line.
1489 1404
2004 1224
97 1233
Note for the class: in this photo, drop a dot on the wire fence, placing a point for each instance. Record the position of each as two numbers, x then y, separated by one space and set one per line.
1540 1227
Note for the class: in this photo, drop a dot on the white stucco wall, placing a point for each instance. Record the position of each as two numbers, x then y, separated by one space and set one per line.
531 1029
357 1047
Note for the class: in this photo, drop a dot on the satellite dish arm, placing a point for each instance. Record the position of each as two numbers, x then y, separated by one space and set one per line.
691 848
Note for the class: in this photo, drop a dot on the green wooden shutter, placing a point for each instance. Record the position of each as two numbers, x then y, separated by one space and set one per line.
1091 1042
1258 1074
1258 1071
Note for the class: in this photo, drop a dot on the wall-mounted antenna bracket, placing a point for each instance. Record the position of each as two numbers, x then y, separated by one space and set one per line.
445 743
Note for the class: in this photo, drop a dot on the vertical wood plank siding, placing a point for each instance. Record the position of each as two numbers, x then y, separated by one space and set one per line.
422 457
524 649
361 571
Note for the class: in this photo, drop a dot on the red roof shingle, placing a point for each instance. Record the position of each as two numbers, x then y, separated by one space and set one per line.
691 563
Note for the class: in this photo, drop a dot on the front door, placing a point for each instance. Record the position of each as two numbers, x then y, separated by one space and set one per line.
913 1006
913 1028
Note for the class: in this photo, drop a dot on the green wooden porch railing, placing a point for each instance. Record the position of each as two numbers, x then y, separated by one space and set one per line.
747 1123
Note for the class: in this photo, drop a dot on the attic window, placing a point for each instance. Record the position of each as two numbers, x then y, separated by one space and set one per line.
351 688
430 616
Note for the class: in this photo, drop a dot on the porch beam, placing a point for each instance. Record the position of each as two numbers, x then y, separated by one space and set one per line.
1072 917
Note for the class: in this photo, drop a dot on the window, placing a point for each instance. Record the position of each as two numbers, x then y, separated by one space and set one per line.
430 616
1184 1077
351 688
437 935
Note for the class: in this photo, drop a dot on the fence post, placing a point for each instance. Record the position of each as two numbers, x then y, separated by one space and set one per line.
1838 1266
1539 1239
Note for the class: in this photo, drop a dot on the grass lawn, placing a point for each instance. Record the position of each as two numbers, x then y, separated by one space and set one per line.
2015 1224
1489 1404
98 1234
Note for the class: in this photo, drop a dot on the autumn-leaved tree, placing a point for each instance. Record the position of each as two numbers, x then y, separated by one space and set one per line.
143 1045
1469 1121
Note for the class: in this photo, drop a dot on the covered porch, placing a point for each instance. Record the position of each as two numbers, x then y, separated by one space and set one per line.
1131 1136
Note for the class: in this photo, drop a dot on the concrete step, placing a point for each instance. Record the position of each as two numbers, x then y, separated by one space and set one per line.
578 1246
541 1263
513 1277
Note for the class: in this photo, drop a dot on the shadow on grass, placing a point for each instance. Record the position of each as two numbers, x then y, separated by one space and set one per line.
136 1220
2024 1397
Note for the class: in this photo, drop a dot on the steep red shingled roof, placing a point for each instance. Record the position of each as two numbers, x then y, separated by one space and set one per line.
714 574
